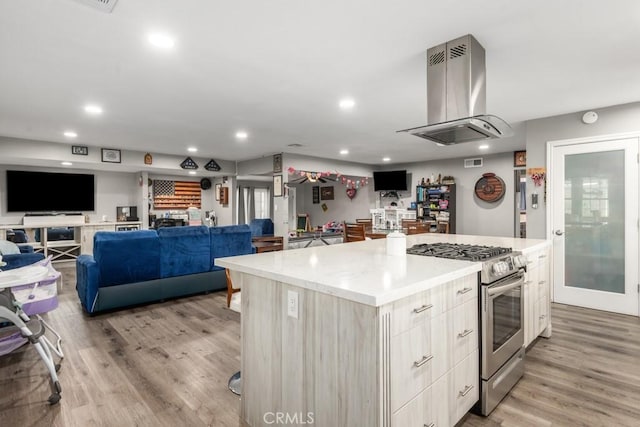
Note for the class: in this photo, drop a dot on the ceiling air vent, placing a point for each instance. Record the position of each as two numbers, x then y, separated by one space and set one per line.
103 5
473 163
436 58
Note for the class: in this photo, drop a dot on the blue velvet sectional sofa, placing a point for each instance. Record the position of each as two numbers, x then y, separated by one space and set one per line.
136 267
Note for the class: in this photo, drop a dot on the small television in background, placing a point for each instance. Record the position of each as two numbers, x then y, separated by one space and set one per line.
390 180
29 191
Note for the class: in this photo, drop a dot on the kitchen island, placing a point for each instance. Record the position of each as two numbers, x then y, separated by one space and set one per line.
347 335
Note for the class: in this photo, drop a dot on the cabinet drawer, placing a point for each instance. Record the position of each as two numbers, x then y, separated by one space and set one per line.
543 315
411 311
465 384
411 363
465 330
460 291
418 412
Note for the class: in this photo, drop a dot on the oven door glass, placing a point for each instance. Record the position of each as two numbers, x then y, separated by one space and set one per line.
507 318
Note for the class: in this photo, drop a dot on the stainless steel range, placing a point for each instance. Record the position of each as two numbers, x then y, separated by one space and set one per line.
501 315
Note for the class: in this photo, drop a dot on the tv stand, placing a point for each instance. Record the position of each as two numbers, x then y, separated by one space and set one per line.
64 250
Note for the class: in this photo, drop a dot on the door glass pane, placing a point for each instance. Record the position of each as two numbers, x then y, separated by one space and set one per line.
594 221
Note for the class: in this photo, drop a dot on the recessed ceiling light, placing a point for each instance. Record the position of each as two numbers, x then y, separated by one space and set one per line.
242 135
192 172
386 159
161 40
343 152
66 163
483 146
347 103
192 149
70 134
93 109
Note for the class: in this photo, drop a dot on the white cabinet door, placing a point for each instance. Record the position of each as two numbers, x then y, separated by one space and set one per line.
465 329
466 377
418 412
411 358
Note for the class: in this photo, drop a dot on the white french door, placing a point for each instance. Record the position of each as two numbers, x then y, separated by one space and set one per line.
594 224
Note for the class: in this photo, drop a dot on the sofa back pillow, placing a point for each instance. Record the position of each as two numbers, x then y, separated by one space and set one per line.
261 227
184 250
127 256
230 240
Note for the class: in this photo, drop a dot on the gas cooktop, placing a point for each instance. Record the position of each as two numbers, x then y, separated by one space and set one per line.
458 251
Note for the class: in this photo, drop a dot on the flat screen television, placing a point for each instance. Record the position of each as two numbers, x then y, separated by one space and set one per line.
390 180
29 191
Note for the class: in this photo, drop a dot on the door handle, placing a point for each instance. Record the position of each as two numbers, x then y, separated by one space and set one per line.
559 232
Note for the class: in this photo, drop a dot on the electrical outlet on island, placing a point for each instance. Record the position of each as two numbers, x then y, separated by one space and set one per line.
292 304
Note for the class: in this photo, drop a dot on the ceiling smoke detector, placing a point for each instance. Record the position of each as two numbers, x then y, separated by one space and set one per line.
102 5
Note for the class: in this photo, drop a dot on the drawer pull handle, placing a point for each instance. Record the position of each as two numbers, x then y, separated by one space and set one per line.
430 425
542 282
542 316
528 282
541 256
465 290
422 361
465 333
423 308
466 391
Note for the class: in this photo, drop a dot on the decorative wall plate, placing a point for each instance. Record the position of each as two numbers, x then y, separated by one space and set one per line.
490 188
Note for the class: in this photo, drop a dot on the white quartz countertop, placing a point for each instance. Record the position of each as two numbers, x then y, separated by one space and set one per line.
363 272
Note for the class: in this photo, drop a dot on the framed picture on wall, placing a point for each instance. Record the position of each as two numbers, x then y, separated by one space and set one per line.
519 158
277 163
217 191
110 156
326 193
277 186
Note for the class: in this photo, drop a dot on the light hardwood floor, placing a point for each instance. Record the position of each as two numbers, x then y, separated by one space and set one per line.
168 364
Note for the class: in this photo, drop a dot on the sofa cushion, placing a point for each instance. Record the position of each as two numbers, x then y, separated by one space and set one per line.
261 227
184 250
127 256
229 240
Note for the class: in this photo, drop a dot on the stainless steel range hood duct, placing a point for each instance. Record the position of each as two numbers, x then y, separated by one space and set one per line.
456 95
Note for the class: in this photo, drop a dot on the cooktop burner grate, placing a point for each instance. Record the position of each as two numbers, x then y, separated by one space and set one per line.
458 251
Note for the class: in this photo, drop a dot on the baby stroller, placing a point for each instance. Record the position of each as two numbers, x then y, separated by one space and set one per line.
22 300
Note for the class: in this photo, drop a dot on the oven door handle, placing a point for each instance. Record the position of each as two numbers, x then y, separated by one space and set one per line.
504 288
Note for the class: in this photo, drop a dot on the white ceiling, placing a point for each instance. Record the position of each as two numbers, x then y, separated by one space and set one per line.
277 69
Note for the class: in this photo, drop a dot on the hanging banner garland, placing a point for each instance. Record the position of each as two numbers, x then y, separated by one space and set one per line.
314 176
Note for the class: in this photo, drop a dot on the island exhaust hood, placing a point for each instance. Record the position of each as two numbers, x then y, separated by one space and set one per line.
456 95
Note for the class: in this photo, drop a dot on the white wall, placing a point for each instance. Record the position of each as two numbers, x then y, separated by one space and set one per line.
112 189
611 120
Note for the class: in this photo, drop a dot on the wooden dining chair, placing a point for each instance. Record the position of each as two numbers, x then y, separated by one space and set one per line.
417 227
354 232
230 291
367 221
442 227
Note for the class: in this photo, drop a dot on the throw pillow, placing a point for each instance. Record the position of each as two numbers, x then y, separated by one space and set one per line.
8 248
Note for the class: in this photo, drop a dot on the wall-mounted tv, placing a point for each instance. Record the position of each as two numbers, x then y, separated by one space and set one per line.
29 191
390 180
